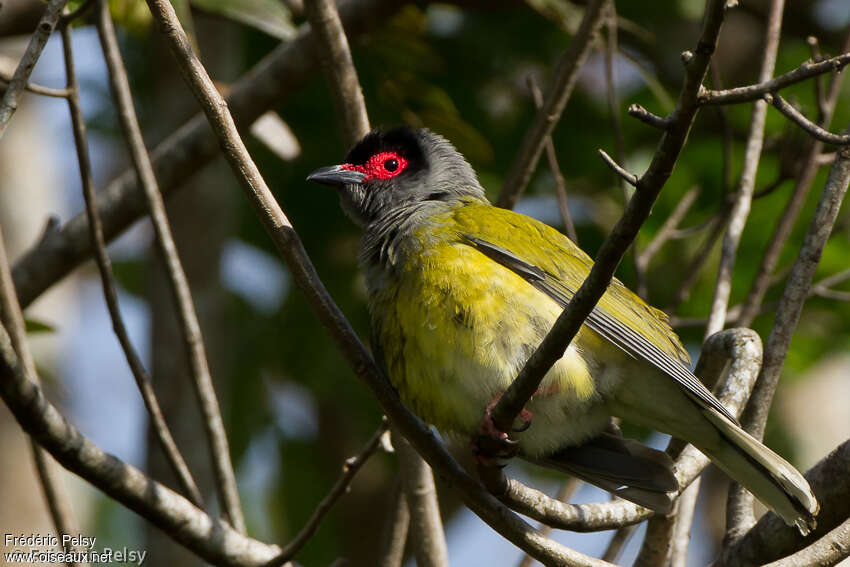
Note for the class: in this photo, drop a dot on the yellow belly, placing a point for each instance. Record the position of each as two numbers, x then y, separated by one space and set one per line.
456 327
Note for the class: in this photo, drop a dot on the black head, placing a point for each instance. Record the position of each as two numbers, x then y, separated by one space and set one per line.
398 167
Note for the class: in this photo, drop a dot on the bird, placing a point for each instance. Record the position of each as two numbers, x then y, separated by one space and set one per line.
461 293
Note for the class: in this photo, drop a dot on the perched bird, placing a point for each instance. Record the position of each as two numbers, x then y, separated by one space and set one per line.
462 292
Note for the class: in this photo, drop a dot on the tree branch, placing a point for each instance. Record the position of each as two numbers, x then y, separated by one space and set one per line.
744 193
342 485
104 265
213 540
552 158
755 92
12 319
426 527
190 329
800 120
332 50
18 83
796 291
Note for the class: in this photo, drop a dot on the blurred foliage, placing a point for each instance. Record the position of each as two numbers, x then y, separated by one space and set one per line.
462 72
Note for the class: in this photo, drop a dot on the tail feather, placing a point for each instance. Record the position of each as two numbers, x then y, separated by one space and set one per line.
764 473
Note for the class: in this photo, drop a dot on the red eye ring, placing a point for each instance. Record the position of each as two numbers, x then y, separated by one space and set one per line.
382 165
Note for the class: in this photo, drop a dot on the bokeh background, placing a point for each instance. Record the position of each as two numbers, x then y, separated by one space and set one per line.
293 408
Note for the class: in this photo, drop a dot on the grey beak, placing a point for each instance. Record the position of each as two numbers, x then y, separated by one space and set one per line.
336 175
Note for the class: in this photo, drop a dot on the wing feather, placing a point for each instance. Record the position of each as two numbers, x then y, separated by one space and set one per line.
604 318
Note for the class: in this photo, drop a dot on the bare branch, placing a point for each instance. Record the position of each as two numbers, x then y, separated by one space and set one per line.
36 88
645 116
698 262
743 196
213 540
186 151
13 320
755 92
426 527
614 248
627 176
782 230
829 550
666 231
655 549
557 96
796 291
552 158
800 120
395 530
331 46
18 83
110 294
343 483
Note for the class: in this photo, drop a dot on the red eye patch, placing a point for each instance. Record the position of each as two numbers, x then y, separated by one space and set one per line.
380 166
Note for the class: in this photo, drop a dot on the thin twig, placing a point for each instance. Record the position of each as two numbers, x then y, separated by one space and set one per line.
12 319
800 120
107 278
796 291
187 150
334 54
552 158
645 116
305 277
394 536
349 470
665 232
211 539
743 196
814 46
726 128
566 74
17 85
37 89
785 223
698 262
426 527
614 248
616 126
627 176
754 92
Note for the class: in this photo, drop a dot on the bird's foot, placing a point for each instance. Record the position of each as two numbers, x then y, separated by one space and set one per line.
490 443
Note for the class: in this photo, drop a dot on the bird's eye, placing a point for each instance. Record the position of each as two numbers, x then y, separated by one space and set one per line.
391 164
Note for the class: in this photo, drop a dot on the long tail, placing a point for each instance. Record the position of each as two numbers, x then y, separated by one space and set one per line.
761 471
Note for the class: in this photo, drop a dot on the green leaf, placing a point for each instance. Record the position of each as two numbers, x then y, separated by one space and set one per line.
35 326
269 16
